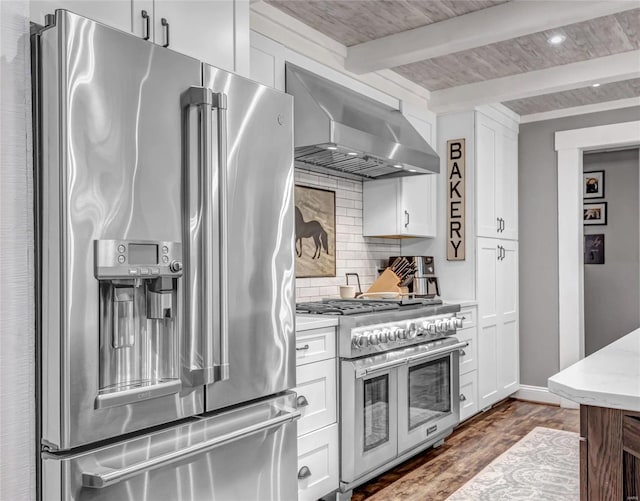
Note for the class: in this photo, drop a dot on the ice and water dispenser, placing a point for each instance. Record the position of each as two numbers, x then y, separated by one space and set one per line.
139 319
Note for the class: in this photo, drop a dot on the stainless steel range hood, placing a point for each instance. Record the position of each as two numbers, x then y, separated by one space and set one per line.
337 129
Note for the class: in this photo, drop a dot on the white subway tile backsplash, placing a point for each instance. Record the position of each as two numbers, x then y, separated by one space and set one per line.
354 253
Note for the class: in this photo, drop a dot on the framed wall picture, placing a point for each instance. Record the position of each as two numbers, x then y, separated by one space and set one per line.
315 232
593 184
594 249
595 213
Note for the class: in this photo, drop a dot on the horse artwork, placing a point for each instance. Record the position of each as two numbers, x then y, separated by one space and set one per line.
315 232
310 229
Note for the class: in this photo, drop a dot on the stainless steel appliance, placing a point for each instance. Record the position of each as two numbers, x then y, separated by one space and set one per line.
165 244
338 129
399 380
423 275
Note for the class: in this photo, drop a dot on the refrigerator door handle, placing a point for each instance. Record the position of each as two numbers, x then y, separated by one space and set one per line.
113 476
222 368
201 218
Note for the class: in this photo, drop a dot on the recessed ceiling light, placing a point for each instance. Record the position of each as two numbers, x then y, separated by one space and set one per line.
596 85
332 147
352 153
411 170
398 166
556 39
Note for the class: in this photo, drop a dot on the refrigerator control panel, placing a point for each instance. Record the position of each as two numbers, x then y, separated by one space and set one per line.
137 259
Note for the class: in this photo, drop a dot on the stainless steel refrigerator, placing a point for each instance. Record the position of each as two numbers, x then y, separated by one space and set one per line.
166 273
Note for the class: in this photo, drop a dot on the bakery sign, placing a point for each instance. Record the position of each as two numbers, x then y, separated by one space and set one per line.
455 200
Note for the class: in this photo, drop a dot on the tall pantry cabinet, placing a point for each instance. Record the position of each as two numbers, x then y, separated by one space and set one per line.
492 242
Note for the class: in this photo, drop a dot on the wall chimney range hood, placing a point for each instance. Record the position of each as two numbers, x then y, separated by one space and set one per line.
339 130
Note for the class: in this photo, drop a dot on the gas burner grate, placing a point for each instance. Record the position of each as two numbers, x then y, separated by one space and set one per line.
325 308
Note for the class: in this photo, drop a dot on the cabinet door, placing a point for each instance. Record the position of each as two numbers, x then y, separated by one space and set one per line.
267 61
507 291
380 207
115 13
488 157
488 322
418 206
507 189
203 30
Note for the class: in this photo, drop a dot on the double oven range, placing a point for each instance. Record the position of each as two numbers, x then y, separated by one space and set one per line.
399 380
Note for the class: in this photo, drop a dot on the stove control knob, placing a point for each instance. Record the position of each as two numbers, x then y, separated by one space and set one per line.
393 334
412 331
402 333
363 341
373 338
384 335
457 323
431 328
442 326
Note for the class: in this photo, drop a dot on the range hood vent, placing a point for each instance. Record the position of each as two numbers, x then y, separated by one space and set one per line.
339 130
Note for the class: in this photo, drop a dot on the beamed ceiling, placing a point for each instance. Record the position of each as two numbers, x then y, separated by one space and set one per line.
482 51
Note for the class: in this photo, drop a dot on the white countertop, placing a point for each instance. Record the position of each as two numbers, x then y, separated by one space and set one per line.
609 377
308 322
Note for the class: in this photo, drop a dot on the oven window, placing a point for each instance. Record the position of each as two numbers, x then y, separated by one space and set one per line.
429 391
376 411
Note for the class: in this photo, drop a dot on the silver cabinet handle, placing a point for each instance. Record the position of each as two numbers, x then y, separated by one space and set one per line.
503 252
501 225
302 401
146 33
304 472
110 477
499 256
165 25
498 228
206 259
462 397
302 348
406 214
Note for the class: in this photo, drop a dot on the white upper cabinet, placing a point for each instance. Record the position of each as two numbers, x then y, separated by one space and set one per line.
215 32
203 30
116 13
403 206
497 179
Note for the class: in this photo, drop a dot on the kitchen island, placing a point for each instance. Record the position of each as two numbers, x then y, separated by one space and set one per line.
606 384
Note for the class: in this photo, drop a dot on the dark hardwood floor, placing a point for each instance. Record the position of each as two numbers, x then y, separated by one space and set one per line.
437 473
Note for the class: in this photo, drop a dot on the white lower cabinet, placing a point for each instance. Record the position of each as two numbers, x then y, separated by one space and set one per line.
318 463
316 376
317 397
498 350
468 363
468 395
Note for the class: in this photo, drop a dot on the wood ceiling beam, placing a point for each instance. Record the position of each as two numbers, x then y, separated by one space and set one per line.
476 29
601 70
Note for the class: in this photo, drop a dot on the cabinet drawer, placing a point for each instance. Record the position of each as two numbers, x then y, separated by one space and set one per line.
318 463
468 361
469 313
315 345
468 395
316 386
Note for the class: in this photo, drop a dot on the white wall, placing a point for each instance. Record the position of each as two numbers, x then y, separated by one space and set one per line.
17 333
354 253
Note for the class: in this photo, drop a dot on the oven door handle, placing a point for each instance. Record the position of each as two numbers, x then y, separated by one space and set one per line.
380 367
439 351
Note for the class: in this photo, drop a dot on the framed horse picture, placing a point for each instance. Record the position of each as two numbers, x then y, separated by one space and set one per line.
315 232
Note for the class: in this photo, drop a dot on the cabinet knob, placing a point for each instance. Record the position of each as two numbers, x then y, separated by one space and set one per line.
462 397
304 472
302 401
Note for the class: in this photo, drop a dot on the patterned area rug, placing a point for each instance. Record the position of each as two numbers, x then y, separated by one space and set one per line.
543 465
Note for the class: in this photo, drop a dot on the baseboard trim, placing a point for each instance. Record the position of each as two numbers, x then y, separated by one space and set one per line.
536 394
